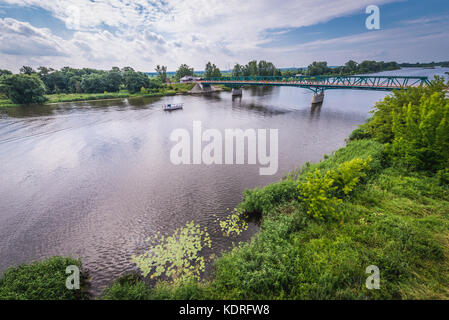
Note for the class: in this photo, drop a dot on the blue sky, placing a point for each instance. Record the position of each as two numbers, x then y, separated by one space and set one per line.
144 33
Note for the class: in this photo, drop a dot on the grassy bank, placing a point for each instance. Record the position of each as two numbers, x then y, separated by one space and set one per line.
169 90
381 200
395 219
41 280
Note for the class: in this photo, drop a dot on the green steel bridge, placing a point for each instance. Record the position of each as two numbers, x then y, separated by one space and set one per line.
320 83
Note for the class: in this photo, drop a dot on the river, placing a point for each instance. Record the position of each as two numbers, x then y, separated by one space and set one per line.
94 179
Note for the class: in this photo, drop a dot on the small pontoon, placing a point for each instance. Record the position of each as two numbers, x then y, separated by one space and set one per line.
171 106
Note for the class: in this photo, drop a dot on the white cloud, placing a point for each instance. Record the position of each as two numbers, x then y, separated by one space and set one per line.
145 33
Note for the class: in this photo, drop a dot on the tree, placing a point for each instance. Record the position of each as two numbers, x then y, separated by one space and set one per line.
251 69
254 68
23 88
93 83
55 82
351 66
5 72
113 80
237 71
162 72
184 70
318 68
134 81
27 70
212 71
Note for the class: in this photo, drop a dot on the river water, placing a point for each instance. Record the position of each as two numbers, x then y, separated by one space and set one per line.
94 179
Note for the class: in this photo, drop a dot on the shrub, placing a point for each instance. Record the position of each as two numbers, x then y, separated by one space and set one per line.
129 287
42 280
443 177
421 134
317 195
321 195
349 174
360 133
380 127
23 88
263 200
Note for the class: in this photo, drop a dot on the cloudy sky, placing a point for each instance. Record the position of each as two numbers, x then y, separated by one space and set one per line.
290 33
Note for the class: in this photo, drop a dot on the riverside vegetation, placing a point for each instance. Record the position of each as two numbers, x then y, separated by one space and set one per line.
382 200
46 85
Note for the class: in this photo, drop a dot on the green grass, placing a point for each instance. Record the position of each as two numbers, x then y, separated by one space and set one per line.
169 90
6 103
41 280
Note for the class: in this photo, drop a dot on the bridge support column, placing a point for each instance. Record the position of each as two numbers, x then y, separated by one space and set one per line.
318 97
237 92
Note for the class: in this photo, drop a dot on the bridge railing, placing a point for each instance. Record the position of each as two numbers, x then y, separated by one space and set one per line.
368 81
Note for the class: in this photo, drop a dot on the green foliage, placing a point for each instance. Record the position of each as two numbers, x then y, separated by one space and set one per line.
212 71
264 200
23 88
380 127
234 224
129 287
421 134
351 67
93 83
176 256
349 173
184 70
321 194
317 195
254 68
360 134
415 124
27 70
443 176
42 280
162 73
297 258
134 81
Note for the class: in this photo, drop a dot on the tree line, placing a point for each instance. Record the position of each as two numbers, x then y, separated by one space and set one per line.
29 86
349 68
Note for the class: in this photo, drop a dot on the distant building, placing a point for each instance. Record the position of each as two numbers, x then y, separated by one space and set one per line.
189 79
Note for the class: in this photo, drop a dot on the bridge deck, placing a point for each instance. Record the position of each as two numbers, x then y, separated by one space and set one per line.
320 83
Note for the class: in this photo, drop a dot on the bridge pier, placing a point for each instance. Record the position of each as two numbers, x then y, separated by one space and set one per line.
237 92
318 97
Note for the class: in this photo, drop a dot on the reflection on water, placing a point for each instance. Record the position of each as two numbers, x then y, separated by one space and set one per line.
94 179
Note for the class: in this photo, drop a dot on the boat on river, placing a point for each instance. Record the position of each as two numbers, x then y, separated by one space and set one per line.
171 106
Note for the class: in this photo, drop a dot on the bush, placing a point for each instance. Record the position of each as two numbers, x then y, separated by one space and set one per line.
263 200
380 127
321 194
349 174
317 195
443 177
42 280
360 133
129 287
23 88
421 134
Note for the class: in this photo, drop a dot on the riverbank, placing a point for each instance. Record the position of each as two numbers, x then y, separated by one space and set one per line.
169 90
371 203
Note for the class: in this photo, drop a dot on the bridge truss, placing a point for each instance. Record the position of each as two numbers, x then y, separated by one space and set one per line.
320 83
